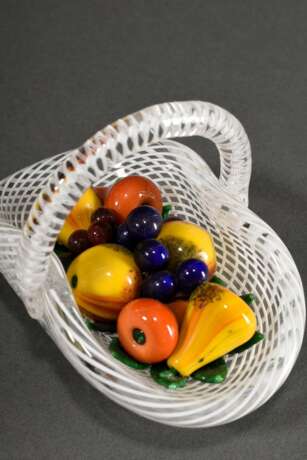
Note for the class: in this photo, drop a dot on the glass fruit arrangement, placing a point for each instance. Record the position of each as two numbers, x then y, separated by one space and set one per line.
149 276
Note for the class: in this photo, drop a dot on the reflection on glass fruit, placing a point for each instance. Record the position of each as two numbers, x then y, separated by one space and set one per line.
147 330
103 216
100 234
151 255
185 240
104 278
132 192
123 236
160 286
80 216
144 223
78 241
190 274
216 322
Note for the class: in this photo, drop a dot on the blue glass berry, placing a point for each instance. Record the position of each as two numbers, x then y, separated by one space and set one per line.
123 236
160 286
144 222
190 274
151 255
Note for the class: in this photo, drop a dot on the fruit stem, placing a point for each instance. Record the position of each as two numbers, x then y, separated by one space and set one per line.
139 336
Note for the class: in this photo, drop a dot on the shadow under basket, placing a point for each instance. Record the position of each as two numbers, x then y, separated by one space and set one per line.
34 203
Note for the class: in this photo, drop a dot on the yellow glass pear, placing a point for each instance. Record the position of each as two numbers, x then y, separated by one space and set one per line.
216 322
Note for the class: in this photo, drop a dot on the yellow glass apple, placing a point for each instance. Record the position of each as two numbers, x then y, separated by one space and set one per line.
104 278
185 240
80 216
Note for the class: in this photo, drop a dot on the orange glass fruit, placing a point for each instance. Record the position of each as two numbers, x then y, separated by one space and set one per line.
147 330
130 193
179 307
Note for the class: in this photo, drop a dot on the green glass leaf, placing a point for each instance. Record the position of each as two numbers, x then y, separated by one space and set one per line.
101 326
215 372
166 211
168 377
248 298
119 353
217 280
257 337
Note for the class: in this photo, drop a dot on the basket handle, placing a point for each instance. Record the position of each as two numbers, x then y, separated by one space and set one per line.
90 162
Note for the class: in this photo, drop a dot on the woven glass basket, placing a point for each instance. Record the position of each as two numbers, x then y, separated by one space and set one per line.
35 201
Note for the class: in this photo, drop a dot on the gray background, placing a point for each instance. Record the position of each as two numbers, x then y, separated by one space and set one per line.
67 69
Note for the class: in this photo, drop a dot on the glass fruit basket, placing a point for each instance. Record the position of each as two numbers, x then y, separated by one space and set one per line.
35 202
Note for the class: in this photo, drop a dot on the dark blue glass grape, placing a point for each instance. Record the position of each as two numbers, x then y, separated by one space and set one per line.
160 286
123 236
144 222
190 274
151 255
